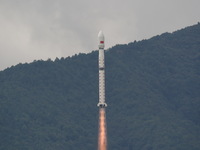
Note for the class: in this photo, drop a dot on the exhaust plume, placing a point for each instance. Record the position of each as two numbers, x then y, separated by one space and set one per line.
102 139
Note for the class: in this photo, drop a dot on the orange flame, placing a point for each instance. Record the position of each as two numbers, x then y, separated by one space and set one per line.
102 140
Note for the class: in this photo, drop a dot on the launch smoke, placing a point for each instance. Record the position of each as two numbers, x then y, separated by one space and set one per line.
102 139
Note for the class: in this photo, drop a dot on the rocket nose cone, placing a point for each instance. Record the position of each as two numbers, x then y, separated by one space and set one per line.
100 35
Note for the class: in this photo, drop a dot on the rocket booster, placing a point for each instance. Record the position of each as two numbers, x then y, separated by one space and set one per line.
101 46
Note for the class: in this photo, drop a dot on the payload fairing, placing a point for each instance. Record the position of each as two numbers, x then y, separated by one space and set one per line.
101 45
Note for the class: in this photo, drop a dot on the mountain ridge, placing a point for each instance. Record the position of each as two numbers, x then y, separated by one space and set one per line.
152 91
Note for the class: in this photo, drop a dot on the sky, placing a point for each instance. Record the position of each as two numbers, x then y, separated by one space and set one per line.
42 29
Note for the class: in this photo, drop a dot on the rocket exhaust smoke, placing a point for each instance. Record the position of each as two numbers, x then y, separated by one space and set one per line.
102 139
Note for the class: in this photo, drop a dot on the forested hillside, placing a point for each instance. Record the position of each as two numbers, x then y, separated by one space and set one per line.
152 92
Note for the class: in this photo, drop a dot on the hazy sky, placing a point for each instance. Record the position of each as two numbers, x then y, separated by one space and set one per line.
42 29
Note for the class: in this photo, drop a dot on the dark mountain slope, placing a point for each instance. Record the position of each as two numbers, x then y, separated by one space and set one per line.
152 89
161 86
49 102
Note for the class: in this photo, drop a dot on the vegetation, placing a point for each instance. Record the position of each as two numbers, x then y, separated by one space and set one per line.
152 89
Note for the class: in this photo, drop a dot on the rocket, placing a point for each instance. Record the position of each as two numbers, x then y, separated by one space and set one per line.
101 46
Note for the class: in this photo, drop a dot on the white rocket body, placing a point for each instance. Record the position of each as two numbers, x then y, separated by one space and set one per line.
101 45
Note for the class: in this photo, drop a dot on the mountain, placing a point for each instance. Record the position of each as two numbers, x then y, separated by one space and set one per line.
152 91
